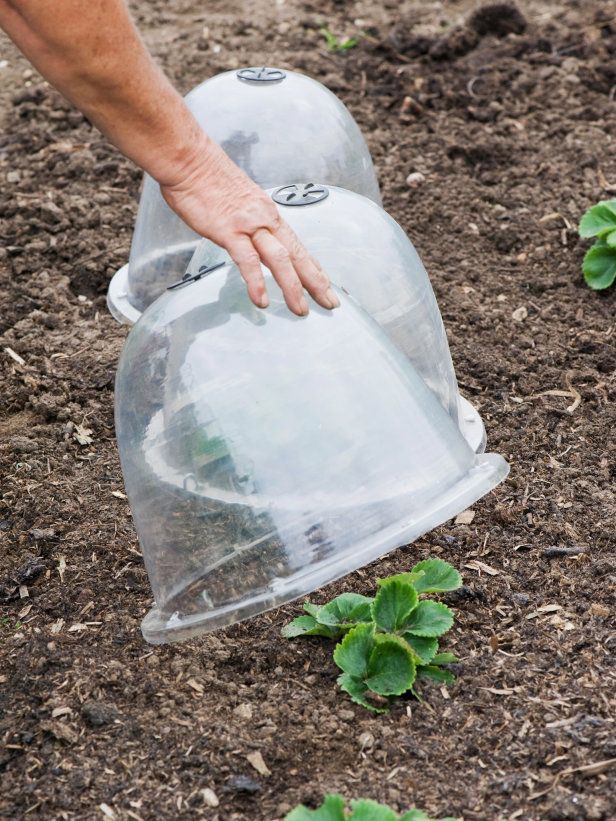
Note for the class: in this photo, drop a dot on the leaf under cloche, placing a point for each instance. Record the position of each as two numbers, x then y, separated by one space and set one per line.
306 626
345 611
599 266
598 220
430 618
393 604
437 576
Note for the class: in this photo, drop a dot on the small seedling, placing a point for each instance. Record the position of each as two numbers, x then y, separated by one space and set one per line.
599 265
334 809
335 44
388 641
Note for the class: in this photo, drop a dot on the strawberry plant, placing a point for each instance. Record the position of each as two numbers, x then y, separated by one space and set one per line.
334 809
599 265
388 641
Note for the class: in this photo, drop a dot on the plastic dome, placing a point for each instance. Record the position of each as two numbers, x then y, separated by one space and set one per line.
265 454
367 253
279 127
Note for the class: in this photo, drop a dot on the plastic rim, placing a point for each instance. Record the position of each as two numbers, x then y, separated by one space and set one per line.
117 298
471 425
488 472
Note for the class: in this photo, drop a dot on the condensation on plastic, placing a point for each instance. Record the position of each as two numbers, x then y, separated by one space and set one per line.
366 252
265 455
277 133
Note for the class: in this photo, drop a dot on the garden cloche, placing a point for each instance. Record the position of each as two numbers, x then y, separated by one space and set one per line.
367 253
265 454
279 127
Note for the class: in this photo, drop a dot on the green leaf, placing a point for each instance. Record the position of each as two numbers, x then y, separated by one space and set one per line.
312 609
610 239
430 618
407 578
599 266
356 688
437 576
306 626
426 648
415 815
598 219
347 609
444 658
393 604
391 667
332 809
353 652
436 673
368 810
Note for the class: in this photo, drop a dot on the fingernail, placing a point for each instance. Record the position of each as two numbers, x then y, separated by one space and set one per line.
264 301
303 306
330 295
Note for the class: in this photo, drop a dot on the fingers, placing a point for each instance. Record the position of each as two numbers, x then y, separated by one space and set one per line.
310 273
278 260
247 259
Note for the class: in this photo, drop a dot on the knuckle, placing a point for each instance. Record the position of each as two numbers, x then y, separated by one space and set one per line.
248 259
280 255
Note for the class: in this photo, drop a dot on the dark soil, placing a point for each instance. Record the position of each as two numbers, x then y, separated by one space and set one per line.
511 119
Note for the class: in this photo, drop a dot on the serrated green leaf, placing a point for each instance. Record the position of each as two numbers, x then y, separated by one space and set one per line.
353 652
430 618
599 266
425 647
437 576
332 809
598 219
393 605
356 689
306 626
415 815
407 578
610 239
444 658
436 673
346 609
312 609
391 666
367 810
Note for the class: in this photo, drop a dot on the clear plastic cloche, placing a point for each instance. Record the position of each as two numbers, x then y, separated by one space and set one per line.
265 454
367 253
279 127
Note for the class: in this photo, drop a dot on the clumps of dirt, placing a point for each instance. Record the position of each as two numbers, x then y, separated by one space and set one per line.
499 19
496 19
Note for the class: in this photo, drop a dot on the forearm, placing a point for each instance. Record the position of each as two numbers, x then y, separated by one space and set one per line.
91 51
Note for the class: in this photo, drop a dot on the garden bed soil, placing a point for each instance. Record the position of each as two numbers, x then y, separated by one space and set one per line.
509 118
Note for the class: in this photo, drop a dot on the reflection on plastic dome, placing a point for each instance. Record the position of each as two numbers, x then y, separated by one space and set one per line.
268 128
366 252
265 455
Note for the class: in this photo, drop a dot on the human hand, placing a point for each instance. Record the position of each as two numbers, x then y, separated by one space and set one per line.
220 202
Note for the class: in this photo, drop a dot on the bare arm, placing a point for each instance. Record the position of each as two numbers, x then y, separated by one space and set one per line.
91 51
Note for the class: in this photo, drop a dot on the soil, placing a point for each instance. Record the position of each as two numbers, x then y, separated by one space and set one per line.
510 117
